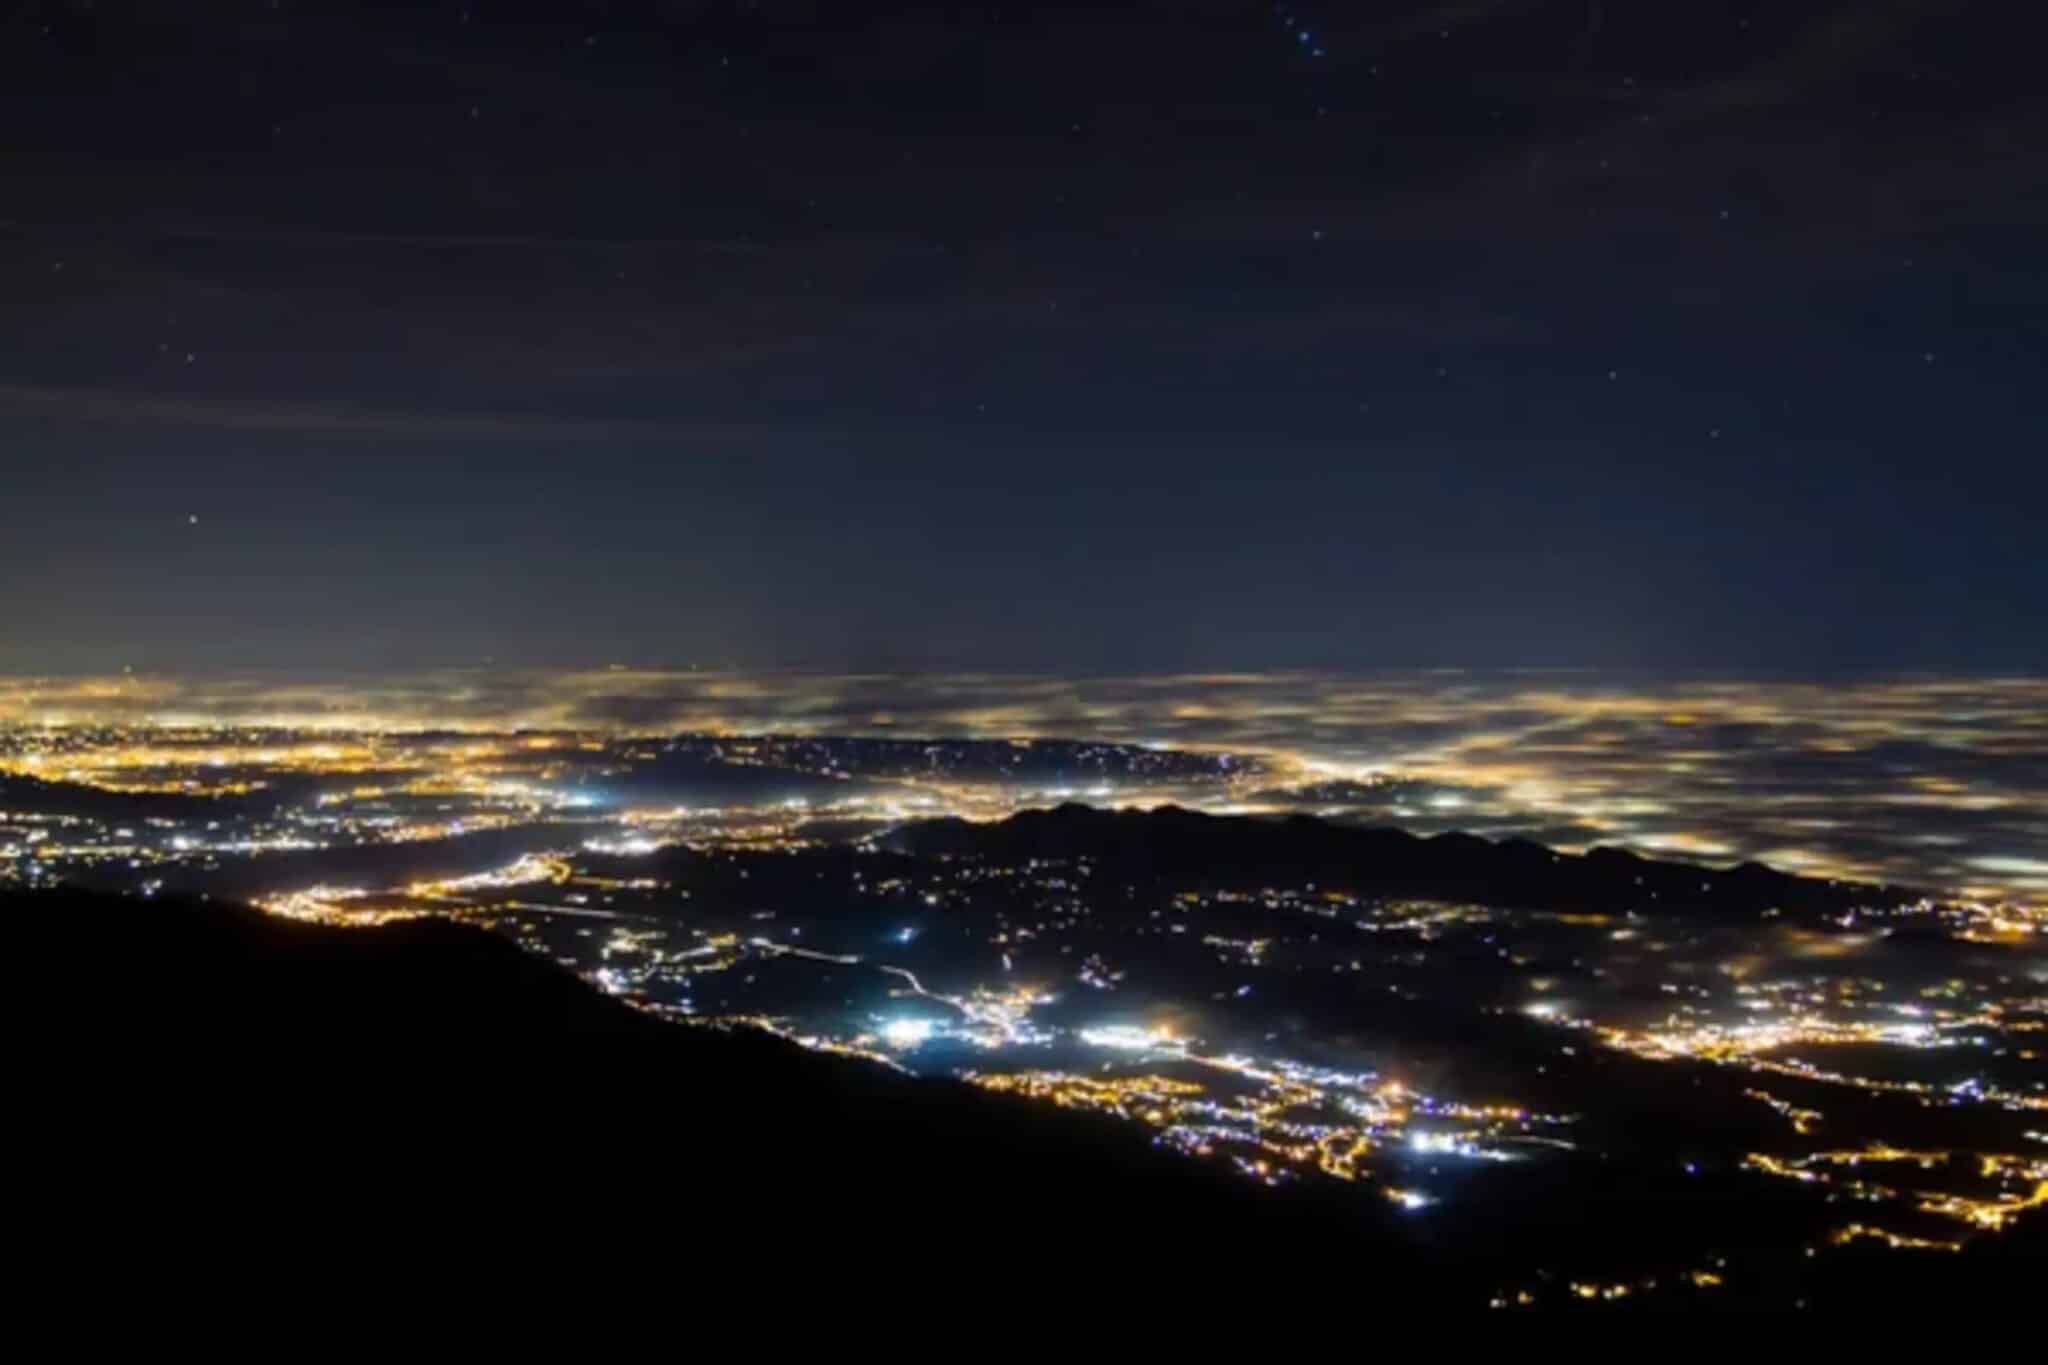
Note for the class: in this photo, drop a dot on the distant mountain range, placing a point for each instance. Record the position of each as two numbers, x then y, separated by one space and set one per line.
1191 849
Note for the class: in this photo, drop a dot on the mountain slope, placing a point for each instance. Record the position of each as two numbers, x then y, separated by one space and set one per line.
217 1109
426 1099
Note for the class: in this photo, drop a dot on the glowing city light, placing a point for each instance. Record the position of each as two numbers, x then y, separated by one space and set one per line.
907 1033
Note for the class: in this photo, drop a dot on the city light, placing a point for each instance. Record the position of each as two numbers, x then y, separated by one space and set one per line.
907 1033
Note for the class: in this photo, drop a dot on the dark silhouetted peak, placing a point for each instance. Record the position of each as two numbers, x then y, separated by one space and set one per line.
331 1095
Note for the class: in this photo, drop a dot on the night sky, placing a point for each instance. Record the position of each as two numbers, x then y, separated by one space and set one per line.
1078 338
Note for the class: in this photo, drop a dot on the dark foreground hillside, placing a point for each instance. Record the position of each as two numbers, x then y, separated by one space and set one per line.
426 1099
220 1106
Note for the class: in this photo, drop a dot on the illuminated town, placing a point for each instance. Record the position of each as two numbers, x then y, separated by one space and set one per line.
1875 1067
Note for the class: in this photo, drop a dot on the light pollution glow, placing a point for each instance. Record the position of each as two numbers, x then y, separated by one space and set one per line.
1938 781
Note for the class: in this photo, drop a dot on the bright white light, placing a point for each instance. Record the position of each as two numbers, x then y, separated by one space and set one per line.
1410 1199
907 1033
1542 1009
1125 1038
